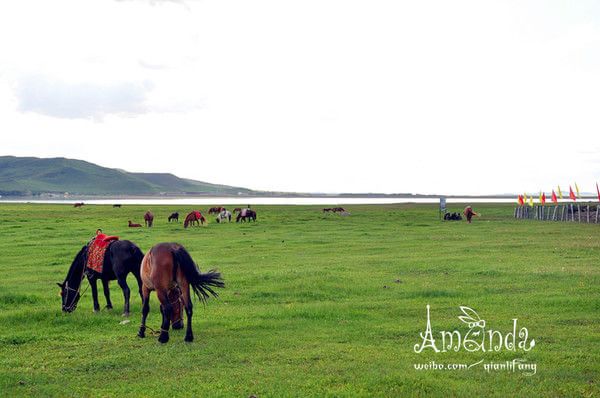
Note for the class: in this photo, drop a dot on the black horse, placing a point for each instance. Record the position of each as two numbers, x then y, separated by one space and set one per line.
250 215
121 258
174 217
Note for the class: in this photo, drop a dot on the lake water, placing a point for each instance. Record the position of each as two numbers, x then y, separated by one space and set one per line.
258 201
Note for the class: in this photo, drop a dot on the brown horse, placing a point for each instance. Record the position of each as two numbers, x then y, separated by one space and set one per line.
215 210
194 216
167 267
78 204
133 225
148 219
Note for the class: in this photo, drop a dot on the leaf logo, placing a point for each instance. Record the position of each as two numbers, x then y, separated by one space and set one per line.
471 318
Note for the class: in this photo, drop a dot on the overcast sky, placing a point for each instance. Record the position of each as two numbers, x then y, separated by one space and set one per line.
441 96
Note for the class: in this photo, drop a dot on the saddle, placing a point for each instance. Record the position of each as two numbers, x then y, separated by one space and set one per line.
97 250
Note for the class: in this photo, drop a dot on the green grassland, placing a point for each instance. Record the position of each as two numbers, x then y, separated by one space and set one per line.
315 305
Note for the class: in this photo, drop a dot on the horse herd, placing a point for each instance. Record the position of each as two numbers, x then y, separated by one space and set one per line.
195 217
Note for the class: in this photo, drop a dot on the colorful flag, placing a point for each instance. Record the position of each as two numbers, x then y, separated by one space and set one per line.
554 198
540 198
531 201
577 189
559 192
598 190
521 202
572 194
543 200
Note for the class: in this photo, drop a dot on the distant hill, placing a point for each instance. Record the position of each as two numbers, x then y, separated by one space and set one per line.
34 176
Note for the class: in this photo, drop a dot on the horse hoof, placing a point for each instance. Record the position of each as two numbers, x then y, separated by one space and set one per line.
141 334
188 339
125 314
108 307
96 310
163 338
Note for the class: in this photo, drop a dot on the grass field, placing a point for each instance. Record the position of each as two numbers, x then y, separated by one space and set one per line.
315 305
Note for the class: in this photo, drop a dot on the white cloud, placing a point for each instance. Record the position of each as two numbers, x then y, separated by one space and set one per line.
62 99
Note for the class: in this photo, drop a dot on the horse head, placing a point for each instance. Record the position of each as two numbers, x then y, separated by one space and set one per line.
69 289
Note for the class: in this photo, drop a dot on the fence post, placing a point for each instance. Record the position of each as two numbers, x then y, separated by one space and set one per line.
588 214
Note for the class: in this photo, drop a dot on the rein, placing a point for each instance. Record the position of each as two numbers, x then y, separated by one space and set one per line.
76 299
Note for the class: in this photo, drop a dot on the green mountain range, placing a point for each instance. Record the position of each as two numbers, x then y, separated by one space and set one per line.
22 176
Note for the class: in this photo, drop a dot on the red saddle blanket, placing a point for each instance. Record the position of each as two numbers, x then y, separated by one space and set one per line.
97 250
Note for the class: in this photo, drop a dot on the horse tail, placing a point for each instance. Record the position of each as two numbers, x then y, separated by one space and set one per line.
202 283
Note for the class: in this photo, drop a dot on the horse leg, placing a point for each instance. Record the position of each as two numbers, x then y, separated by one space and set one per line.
94 293
122 281
165 309
187 301
107 293
138 278
145 311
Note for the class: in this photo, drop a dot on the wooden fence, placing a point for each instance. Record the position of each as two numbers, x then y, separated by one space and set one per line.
581 212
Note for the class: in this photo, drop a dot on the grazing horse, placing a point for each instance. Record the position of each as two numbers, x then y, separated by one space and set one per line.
174 217
237 210
338 210
78 204
117 205
224 215
167 267
121 258
148 219
246 215
215 210
133 225
194 216
327 210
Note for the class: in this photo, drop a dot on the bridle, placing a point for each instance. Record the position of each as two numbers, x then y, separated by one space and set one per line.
77 296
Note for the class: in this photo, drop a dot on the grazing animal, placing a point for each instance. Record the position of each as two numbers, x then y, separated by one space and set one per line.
452 217
117 205
133 225
327 210
174 217
224 215
338 210
121 258
215 210
246 215
237 210
194 216
78 204
168 266
148 219
469 213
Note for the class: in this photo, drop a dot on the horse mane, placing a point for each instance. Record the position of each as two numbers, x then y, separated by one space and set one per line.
76 268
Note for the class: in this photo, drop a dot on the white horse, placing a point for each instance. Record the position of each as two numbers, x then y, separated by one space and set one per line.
224 215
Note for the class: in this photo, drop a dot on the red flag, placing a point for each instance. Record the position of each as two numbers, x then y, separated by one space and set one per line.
543 198
521 201
598 190
554 198
572 194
